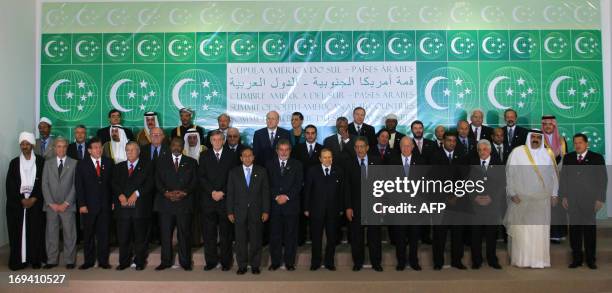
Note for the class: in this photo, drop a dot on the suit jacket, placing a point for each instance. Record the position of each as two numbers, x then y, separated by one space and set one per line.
49 149
92 191
396 140
242 198
455 169
494 182
145 152
469 150
73 151
59 189
289 183
353 169
325 195
386 154
503 157
237 151
366 130
142 180
485 133
396 165
520 136
13 186
300 153
212 176
583 184
348 150
169 179
104 134
428 148
263 150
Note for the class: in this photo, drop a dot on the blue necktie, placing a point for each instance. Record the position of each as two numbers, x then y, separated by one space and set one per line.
248 177
406 167
80 151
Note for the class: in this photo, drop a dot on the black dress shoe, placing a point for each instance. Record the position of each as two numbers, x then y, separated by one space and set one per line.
356 268
162 267
495 266
378 268
255 271
459 266
139 268
49 266
225 268
209 267
36 266
331 267
187 268
476 266
574 265
437 267
105 266
70 266
592 266
291 268
314 268
122 267
241 271
85 266
273 267
400 268
416 267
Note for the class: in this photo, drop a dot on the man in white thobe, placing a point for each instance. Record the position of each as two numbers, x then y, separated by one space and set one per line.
532 185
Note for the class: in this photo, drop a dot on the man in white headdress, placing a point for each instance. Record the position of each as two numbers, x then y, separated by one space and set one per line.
193 147
532 186
150 121
44 143
115 148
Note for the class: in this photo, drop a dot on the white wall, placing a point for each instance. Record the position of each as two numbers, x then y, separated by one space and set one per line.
17 85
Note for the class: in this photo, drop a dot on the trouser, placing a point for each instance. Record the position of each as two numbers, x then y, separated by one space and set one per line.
96 233
67 222
138 228
357 243
215 225
167 223
283 234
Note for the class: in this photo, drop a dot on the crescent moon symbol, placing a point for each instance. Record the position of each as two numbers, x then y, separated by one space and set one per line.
577 45
202 14
233 47
296 15
171 48
422 14
422 45
113 95
108 48
328 49
515 45
109 17
483 14
577 14
484 45
546 47
51 96
47 49
202 47
176 90
390 14
515 14
141 16
78 17
77 48
233 16
171 16
452 15
359 48
264 47
491 92
358 14
428 95
139 48
48 17
553 92
264 16
327 13
296 46
545 14
390 46
453 47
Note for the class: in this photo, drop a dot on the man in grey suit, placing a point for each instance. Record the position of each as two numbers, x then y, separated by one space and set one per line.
60 204
248 206
44 144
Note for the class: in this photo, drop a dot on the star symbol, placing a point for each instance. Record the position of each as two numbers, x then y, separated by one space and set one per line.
458 81
461 95
468 91
458 105
509 92
208 97
585 94
205 107
143 84
215 93
142 106
447 92
152 93
521 104
83 98
530 91
69 95
206 83
592 90
523 95
583 104
80 107
81 84
521 81
583 81
131 94
194 94
89 93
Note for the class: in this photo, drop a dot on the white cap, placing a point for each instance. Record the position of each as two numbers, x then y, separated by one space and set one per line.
45 120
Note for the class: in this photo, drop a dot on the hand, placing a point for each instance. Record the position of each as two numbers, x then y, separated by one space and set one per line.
281 199
598 205
231 218
83 210
515 199
554 200
122 200
61 208
349 214
217 195
483 200
25 203
564 203
131 201
307 214
264 217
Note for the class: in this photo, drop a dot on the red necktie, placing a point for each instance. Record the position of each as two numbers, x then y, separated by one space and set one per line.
131 170
580 159
98 168
176 164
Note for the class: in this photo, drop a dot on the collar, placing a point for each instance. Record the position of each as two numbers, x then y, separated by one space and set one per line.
135 163
272 130
310 144
448 153
245 167
179 157
58 159
323 167
583 154
364 158
486 161
220 152
281 161
94 160
474 127
408 157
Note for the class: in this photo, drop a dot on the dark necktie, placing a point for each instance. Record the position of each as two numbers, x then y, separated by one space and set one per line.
131 170
510 135
155 153
580 159
358 129
310 151
60 167
450 157
364 170
80 151
500 152
218 157
283 169
484 167
43 146
176 164
326 172
272 138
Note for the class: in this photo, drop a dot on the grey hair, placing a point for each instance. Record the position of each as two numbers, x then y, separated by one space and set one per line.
60 139
484 142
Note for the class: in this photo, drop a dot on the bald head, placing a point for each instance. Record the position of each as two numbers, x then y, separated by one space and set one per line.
406 146
272 119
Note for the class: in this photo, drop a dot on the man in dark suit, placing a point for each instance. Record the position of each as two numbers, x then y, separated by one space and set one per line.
514 135
248 207
357 169
446 165
133 192
157 148
286 179
224 122
465 145
479 131
341 143
498 148
394 135
177 181
407 158
486 205
382 149
583 184
78 149
114 118
215 165
233 143
308 154
265 139
439 132
423 147
93 190
325 190
359 128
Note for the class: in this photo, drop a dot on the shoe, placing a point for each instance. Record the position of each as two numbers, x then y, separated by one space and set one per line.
291 268
70 266
162 267
105 266
241 271
331 268
139 268
122 267
592 266
314 268
476 266
85 266
437 267
49 266
187 268
495 266
210 267
273 267
459 266
255 271
378 268
356 268
574 265
555 241
400 268
225 268
36 266
416 267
